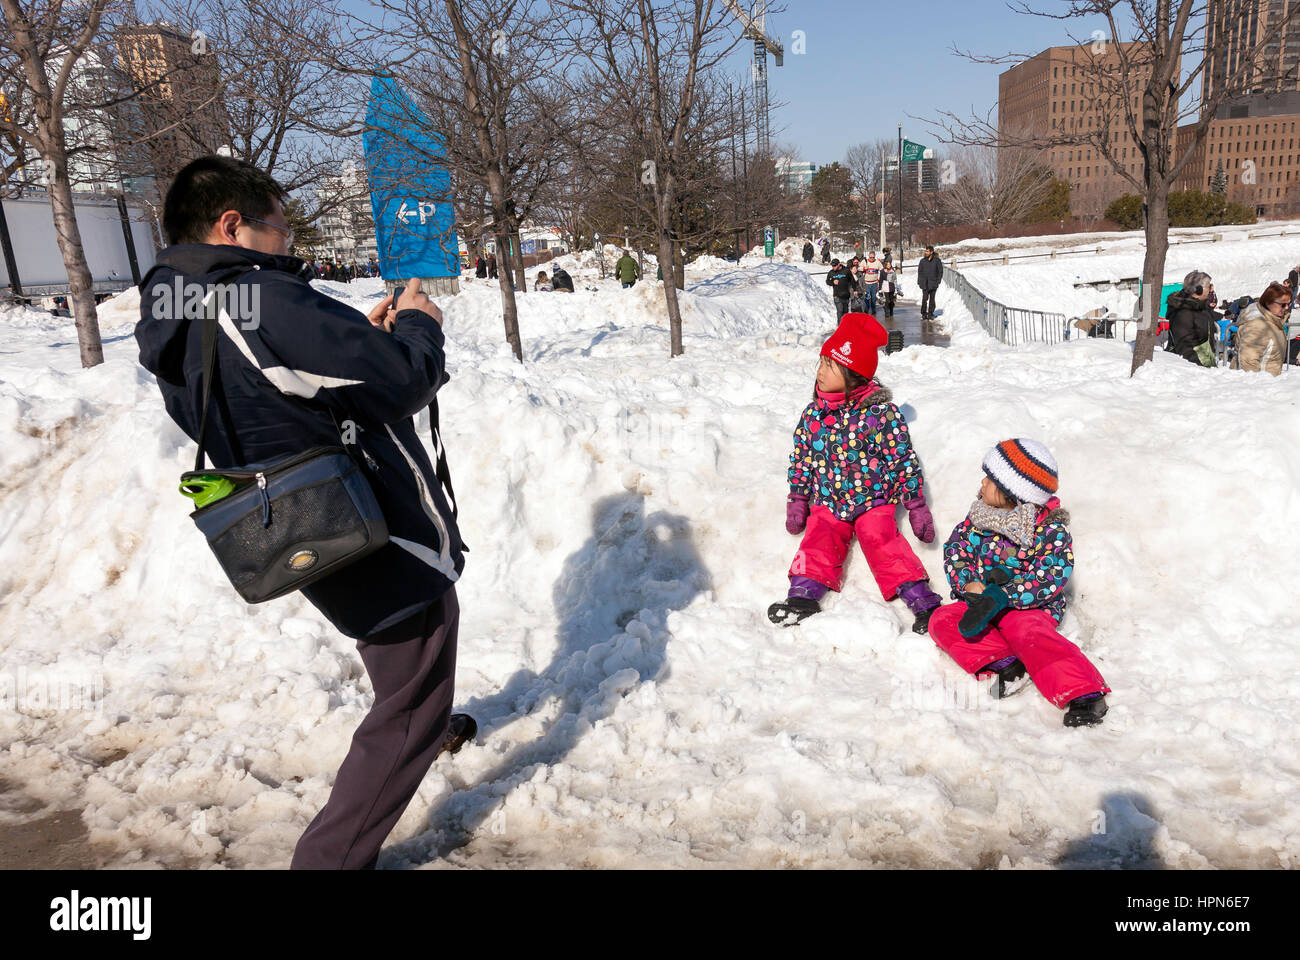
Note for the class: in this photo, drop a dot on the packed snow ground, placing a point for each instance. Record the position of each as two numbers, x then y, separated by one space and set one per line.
1238 265
626 518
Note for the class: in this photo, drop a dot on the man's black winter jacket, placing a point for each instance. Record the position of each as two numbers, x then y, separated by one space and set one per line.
287 374
929 271
841 282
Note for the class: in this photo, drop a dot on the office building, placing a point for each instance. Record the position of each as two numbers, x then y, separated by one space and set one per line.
1055 93
178 100
795 174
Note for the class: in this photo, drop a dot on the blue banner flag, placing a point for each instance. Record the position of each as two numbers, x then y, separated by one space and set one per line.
410 191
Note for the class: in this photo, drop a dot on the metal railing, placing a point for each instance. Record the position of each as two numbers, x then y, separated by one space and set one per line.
1010 325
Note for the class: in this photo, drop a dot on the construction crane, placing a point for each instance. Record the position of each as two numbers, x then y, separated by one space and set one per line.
756 29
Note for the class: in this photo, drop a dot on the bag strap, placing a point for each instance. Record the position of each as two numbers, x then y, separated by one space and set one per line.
211 373
441 469
209 364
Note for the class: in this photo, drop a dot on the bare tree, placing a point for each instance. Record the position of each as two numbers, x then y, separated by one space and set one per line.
1143 77
40 53
645 63
996 186
866 165
281 103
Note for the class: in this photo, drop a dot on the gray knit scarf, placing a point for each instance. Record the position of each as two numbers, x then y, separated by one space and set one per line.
1016 524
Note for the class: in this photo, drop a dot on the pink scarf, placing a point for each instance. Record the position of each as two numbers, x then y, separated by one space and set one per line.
834 401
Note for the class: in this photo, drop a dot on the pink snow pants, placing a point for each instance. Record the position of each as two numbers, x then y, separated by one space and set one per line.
826 544
1059 669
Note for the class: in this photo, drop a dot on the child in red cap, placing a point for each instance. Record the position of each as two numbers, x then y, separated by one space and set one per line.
853 463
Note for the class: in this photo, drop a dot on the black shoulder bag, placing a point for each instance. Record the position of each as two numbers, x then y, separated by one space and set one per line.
276 527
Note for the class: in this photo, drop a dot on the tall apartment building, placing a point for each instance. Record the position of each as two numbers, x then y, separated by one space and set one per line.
795 174
1234 28
179 94
918 176
349 228
1253 135
1257 141
1055 92
112 162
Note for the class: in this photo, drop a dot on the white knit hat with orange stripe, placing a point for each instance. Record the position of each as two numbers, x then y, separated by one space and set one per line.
1023 469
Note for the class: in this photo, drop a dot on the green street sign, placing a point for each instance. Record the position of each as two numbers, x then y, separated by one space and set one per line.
769 242
912 152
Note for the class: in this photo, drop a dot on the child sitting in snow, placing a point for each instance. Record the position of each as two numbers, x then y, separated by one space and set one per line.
542 283
1008 563
852 464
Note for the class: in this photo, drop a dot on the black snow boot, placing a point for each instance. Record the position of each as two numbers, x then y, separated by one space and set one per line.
460 731
792 610
1085 711
922 601
1011 678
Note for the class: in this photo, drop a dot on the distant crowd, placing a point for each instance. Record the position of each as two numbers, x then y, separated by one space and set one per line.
344 272
867 284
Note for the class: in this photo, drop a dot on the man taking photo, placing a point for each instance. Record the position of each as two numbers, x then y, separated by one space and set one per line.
306 370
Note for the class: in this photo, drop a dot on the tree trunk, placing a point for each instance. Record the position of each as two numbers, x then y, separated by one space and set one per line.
679 266
81 285
521 284
509 309
663 204
670 296
1153 272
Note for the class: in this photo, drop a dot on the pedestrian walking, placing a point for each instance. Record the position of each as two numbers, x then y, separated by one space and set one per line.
929 271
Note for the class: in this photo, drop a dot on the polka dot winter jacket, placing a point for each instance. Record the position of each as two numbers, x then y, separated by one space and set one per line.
850 460
1038 572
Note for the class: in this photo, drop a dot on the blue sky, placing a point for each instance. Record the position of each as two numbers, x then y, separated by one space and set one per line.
893 61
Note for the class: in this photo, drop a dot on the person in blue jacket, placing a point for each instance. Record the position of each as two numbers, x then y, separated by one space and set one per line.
294 371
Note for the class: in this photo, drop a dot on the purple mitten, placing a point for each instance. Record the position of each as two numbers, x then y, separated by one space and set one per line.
918 514
796 513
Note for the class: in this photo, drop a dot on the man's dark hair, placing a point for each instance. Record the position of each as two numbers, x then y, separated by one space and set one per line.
208 187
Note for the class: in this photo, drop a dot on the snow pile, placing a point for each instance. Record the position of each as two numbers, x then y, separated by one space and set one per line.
707 263
626 518
586 263
789 250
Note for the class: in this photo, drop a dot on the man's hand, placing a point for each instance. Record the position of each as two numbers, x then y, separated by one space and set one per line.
383 315
412 299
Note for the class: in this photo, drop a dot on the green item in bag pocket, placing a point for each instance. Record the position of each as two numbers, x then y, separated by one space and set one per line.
1205 354
208 488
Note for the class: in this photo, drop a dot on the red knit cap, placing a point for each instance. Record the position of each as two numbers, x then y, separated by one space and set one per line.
855 342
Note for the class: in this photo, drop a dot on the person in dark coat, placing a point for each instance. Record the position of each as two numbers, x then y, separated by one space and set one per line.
492 266
826 251
808 251
1191 320
929 271
480 267
295 375
842 284
561 281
